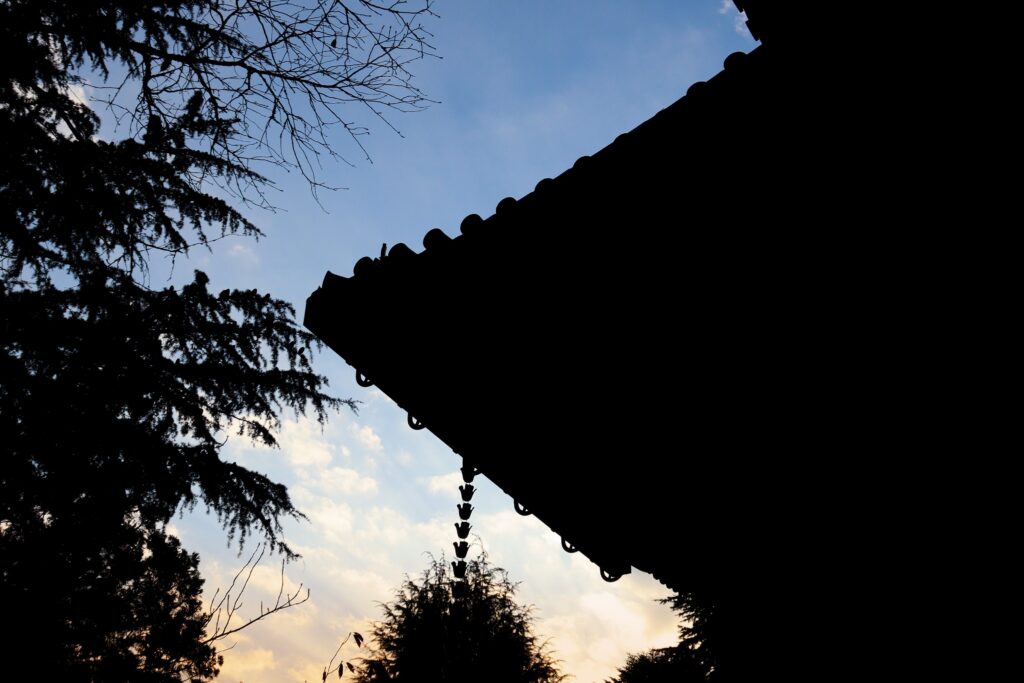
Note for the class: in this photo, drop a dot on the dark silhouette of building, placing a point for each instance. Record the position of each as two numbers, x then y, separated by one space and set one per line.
671 352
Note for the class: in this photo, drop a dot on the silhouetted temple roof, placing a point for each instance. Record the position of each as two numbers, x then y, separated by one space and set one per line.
640 351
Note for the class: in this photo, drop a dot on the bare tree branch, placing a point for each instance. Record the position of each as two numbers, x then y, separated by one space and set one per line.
330 668
284 72
225 606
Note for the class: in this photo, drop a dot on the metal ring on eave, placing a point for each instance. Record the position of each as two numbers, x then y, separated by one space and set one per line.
568 547
609 577
414 423
362 380
520 508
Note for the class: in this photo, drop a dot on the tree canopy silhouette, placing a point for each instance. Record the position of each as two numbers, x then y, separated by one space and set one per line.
116 396
701 654
480 634
660 665
103 602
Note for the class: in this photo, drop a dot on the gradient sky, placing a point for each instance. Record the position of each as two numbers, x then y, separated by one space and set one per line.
523 88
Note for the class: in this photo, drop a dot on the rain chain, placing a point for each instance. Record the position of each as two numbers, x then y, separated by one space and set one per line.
462 528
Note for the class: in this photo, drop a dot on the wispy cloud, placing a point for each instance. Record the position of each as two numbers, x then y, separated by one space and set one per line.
78 93
303 443
258 662
739 21
445 484
243 254
367 437
340 480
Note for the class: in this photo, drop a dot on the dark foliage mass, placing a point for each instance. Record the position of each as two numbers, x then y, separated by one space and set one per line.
89 601
482 634
702 652
704 633
661 665
117 396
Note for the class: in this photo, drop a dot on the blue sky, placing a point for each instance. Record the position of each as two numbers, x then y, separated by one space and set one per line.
523 89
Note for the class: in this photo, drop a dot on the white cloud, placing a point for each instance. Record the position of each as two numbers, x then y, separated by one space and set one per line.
336 480
267 578
614 608
243 254
386 526
446 485
303 443
739 21
367 437
244 662
332 520
77 93
317 455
